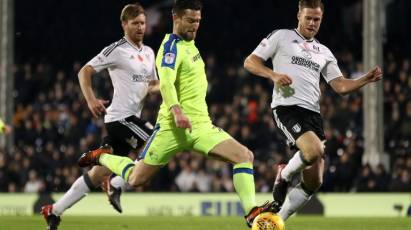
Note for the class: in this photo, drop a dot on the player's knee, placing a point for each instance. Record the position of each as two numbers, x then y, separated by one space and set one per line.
97 175
313 153
245 156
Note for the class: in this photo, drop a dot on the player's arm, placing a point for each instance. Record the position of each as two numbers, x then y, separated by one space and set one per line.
344 86
167 71
154 86
95 105
105 59
255 65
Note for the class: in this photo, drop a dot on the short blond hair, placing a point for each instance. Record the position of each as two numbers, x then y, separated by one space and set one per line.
131 11
310 4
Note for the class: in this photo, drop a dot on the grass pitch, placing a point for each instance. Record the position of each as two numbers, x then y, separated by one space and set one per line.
200 223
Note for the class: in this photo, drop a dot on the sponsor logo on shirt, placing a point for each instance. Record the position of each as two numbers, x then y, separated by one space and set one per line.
196 57
306 63
141 78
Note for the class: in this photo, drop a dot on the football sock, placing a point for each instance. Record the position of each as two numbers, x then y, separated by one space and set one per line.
296 199
295 165
121 166
243 178
118 182
76 192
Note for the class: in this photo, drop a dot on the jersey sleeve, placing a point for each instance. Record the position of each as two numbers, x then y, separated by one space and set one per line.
168 62
105 59
268 46
331 69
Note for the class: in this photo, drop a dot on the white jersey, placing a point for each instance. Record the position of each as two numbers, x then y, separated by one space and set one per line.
131 69
304 61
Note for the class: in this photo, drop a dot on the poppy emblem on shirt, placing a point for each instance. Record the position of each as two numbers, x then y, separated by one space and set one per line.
140 58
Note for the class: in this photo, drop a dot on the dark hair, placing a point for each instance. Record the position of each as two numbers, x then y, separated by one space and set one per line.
310 4
131 11
181 5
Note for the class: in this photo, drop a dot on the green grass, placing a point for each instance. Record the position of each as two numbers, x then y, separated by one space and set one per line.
201 223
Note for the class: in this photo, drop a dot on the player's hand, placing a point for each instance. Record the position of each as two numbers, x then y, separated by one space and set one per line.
281 79
181 120
375 74
97 107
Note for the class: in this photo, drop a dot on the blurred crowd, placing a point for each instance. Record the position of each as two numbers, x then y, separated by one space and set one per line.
52 125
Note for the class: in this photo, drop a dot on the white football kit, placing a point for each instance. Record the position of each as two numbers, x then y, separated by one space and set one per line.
304 61
130 69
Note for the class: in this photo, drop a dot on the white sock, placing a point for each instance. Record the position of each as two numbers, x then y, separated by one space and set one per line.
118 182
76 192
296 199
295 165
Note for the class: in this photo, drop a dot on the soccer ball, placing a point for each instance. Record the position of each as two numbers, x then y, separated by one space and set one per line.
268 221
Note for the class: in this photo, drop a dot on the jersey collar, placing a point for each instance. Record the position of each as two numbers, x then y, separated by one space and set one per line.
134 46
305 39
178 38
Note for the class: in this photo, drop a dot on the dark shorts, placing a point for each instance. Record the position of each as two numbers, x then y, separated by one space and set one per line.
294 121
127 134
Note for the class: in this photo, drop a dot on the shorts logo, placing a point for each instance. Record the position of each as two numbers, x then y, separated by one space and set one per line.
153 155
169 58
133 142
297 128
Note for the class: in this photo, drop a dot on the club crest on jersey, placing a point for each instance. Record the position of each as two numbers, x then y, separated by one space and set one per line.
297 128
169 58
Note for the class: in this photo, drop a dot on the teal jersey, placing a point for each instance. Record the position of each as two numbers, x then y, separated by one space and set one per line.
183 80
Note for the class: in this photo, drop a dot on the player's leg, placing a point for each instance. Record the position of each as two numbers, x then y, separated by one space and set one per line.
125 136
162 145
77 191
242 158
135 173
243 176
310 151
156 153
80 187
302 193
303 129
216 143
